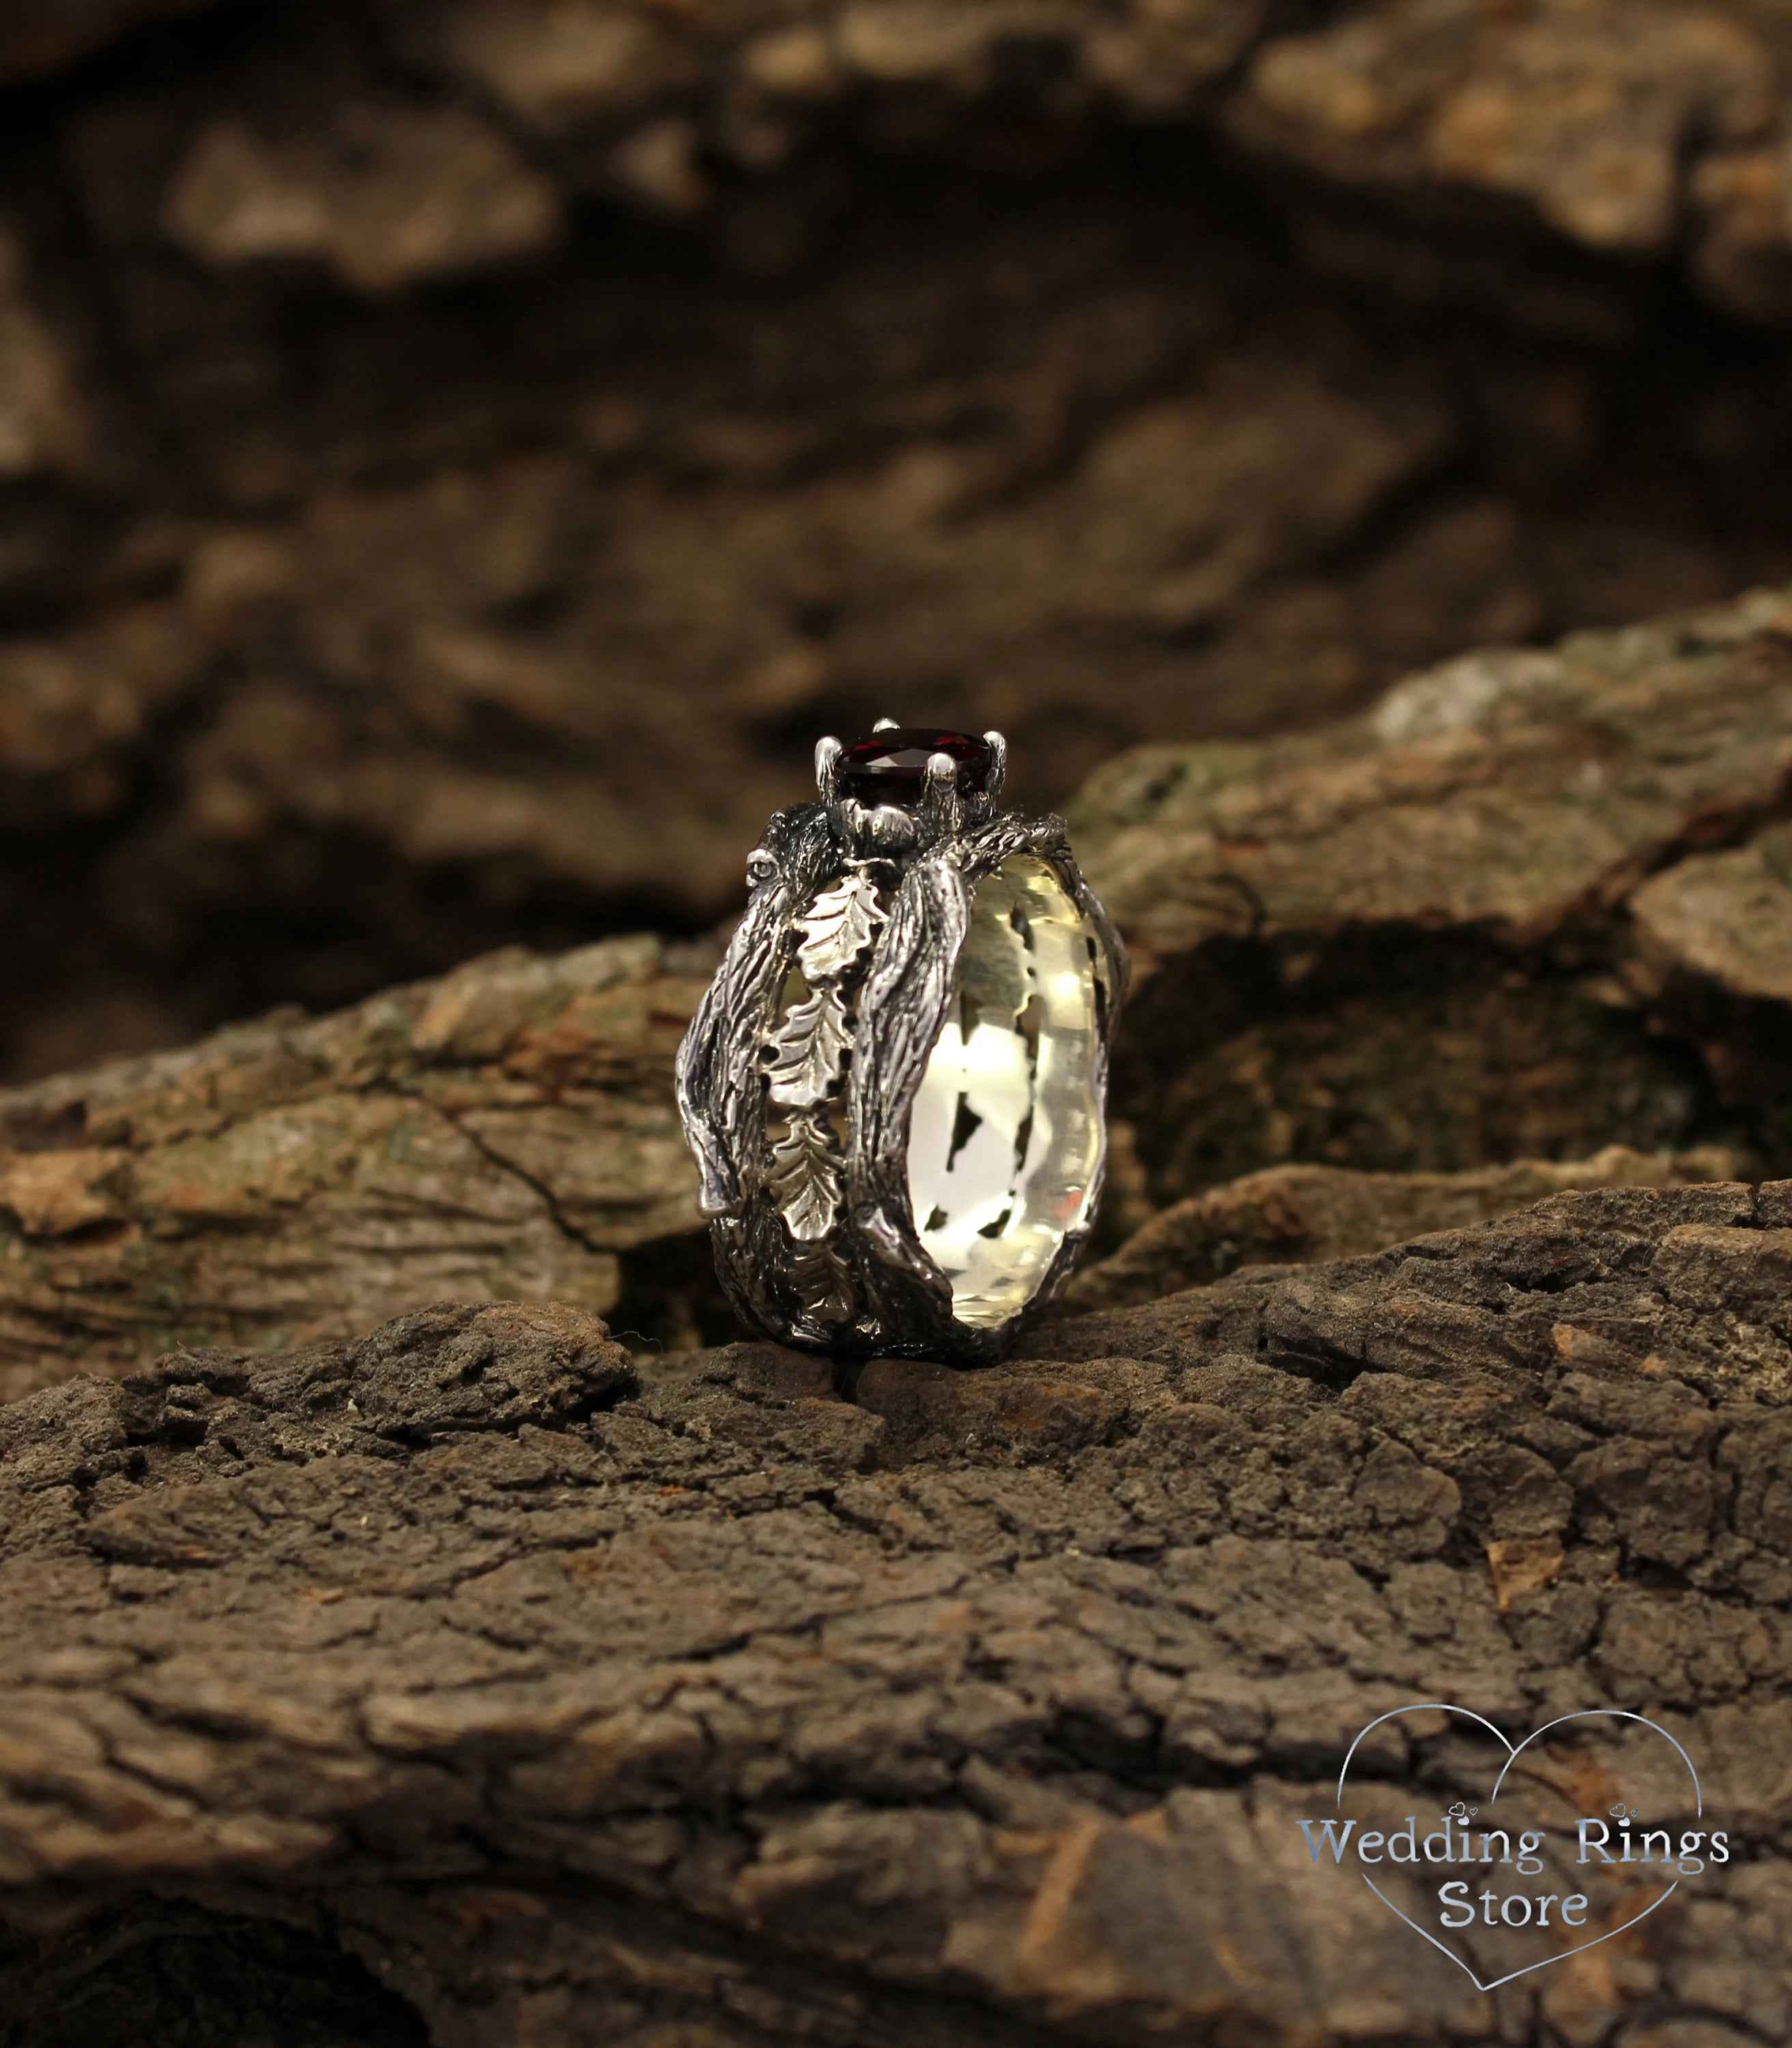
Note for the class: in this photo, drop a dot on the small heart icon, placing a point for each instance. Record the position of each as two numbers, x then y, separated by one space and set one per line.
1494 1841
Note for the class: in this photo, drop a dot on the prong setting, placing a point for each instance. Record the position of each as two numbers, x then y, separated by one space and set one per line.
905 787
886 725
941 805
998 767
828 754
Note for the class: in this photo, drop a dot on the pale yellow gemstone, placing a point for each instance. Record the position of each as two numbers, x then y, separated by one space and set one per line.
1005 1143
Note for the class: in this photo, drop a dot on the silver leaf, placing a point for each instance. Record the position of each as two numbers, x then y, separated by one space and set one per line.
805 1179
823 1283
808 1048
840 924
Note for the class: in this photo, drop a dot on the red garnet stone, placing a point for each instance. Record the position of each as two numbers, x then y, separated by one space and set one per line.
890 767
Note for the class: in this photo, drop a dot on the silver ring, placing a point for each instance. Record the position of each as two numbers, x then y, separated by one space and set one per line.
895 1086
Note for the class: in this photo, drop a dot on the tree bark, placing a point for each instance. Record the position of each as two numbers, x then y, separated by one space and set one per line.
585 1698
455 458
508 1131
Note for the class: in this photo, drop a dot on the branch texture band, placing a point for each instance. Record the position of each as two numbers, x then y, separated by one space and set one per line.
895 1087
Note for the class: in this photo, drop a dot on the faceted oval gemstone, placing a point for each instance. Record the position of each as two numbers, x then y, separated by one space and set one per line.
890 767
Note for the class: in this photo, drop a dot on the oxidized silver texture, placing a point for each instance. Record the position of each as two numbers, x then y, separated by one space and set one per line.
815 1241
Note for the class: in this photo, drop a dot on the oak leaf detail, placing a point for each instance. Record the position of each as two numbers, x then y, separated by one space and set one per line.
823 1283
840 923
808 1048
805 1179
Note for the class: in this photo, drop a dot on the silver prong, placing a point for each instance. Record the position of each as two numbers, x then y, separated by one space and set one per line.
886 725
940 802
998 766
828 754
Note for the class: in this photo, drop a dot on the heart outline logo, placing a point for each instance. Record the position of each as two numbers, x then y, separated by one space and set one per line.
1514 1751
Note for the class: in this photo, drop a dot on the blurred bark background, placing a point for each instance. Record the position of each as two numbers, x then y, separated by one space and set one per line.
455 456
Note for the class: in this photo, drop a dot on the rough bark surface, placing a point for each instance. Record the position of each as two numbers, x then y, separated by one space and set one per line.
1528 905
508 1131
454 457
1310 1215
714 1700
